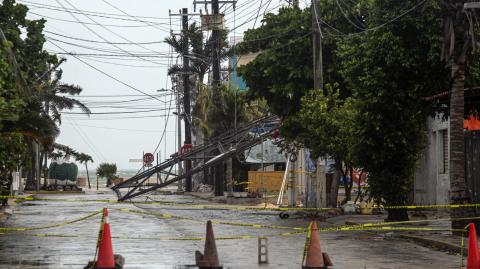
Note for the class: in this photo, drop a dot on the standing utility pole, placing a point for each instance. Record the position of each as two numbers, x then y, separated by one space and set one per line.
186 96
179 133
219 174
216 47
317 184
317 47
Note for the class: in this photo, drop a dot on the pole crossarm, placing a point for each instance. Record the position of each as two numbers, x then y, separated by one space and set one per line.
471 5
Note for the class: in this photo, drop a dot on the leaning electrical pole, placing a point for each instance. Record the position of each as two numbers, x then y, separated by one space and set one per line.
186 96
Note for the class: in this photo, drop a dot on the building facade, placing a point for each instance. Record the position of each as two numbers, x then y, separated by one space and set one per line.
432 181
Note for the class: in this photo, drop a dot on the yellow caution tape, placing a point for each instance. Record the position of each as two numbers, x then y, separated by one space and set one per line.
233 237
231 207
240 237
50 225
379 224
169 216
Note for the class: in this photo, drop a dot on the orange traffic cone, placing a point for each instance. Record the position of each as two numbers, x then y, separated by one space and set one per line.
473 260
315 258
105 251
209 258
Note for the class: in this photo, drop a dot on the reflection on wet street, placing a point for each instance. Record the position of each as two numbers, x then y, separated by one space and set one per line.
166 236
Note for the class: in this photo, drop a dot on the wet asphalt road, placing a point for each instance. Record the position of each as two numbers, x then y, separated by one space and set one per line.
146 241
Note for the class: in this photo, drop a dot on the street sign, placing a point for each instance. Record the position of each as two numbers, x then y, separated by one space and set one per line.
135 160
148 158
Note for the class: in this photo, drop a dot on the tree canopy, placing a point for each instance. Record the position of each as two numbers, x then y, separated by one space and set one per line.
381 59
31 99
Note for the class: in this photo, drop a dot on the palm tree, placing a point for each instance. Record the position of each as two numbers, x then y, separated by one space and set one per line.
200 56
216 119
54 97
85 158
108 171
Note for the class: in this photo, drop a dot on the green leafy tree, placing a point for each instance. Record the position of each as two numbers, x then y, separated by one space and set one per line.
282 71
391 69
27 61
326 125
54 97
32 99
200 57
108 171
220 109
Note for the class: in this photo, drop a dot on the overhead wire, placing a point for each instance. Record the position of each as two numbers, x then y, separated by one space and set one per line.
114 112
103 38
122 118
89 13
258 13
113 53
122 64
108 75
118 95
119 129
103 42
385 23
251 18
345 15
168 114
87 140
84 22
131 16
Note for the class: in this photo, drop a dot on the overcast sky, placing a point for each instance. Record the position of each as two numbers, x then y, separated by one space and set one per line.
94 36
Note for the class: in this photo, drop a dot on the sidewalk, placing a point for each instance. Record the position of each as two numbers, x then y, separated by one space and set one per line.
438 240
7 211
210 196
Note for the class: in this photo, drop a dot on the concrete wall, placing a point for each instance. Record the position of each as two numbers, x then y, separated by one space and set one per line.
432 182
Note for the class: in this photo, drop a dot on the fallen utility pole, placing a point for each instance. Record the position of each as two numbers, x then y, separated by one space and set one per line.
242 139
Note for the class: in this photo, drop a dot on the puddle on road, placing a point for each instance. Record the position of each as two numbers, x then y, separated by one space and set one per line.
24 262
189 266
33 204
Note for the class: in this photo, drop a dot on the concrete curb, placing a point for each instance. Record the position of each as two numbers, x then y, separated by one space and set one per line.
433 243
427 242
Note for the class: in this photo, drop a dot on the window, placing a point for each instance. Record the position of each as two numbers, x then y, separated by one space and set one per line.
443 151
